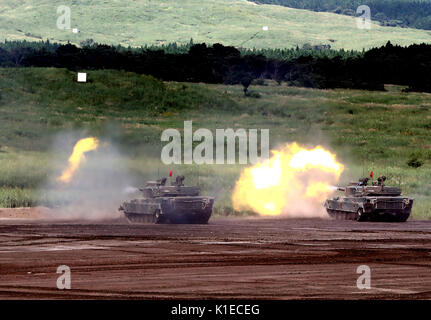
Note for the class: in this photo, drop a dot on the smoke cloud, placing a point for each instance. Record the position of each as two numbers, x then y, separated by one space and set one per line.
97 187
294 182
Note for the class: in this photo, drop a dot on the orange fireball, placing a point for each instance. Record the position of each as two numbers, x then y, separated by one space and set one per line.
78 157
294 181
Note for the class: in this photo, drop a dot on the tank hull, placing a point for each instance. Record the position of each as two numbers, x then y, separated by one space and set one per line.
176 210
384 209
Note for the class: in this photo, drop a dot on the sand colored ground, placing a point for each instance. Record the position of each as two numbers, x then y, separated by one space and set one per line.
24 213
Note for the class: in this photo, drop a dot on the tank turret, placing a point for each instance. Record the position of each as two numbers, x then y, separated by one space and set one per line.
176 203
375 202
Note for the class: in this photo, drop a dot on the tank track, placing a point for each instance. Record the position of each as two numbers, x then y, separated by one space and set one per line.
140 218
202 219
136 218
197 219
345 215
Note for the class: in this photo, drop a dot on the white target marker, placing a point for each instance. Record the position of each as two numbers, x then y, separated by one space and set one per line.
265 28
75 30
82 77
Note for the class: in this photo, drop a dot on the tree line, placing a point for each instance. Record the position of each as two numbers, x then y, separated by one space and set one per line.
408 66
403 13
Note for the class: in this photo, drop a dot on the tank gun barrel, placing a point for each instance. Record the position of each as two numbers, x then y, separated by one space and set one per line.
341 189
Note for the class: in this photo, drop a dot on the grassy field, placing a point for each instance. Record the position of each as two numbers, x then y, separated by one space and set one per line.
379 131
231 22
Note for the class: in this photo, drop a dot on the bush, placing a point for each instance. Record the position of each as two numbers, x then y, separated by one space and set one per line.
414 161
259 82
253 94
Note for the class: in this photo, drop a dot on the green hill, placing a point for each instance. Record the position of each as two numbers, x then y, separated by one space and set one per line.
231 22
402 13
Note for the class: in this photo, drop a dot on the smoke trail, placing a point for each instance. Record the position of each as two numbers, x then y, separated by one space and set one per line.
95 187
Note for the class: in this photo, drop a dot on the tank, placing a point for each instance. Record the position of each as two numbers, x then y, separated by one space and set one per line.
375 202
169 204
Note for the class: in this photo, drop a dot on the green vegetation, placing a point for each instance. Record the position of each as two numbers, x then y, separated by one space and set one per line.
403 13
230 22
370 131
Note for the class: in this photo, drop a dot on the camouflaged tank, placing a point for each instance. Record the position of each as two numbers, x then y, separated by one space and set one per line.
375 202
169 204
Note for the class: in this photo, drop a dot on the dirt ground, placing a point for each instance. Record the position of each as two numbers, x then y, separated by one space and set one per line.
228 258
23 213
